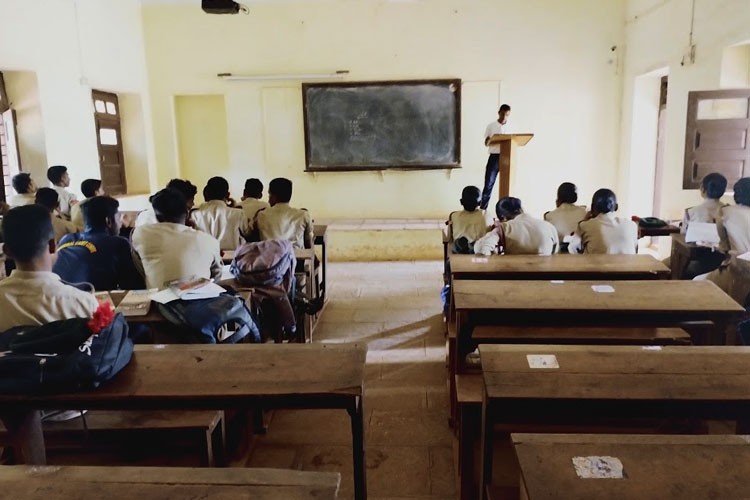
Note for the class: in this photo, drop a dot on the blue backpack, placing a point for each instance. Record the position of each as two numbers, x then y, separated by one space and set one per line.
62 356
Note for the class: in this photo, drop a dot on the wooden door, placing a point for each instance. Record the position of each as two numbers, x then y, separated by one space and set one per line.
9 157
109 142
717 136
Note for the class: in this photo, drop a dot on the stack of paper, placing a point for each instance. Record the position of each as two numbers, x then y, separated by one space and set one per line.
189 289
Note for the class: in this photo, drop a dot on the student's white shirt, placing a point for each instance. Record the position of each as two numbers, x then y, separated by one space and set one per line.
224 223
465 224
67 199
708 211
251 206
493 129
524 235
20 200
36 298
565 218
608 234
62 227
282 222
734 229
169 252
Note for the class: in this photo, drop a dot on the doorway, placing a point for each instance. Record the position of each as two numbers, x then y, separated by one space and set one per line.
9 158
109 142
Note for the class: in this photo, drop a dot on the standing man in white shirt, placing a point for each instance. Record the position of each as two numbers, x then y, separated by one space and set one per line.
493 162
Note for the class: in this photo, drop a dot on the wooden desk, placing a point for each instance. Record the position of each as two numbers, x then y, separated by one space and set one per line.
165 483
683 253
610 382
321 239
153 316
558 267
194 377
657 231
570 303
655 467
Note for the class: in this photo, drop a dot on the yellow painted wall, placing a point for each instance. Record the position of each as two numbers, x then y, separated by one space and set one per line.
550 59
23 92
201 125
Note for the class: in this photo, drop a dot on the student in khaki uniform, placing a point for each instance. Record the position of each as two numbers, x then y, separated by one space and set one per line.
216 217
602 232
713 187
567 215
251 198
170 250
468 225
48 198
282 222
33 295
518 232
90 188
187 189
60 182
25 189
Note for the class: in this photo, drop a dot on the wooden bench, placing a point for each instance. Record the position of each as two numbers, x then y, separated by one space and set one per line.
204 427
165 483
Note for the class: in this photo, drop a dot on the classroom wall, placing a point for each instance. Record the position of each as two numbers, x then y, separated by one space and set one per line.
23 93
551 60
74 46
657 34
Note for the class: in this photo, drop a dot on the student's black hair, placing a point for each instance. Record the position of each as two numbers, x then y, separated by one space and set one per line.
714 185
55 173
504 107
217 188
89 187
567 192
27 231
604 201
742 191
253 188
187 188
21 182
471 198
97 210
281 188
48 198
169 206
508 207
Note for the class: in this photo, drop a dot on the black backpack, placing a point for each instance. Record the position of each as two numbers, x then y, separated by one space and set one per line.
62 356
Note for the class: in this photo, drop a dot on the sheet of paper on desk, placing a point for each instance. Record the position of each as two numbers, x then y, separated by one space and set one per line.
207 291
704 232
598 467
136 303
744 256
548 361
603 288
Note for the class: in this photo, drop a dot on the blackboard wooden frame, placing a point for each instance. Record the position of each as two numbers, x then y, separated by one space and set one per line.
447 82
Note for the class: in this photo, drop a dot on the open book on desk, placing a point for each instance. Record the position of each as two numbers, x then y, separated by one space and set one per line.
192 288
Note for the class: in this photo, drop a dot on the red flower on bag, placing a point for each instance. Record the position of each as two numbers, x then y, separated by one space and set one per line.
102 317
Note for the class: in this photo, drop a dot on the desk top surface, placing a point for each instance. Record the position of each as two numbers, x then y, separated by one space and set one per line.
652 296
165 483
196 376
616 372
663 467
562 263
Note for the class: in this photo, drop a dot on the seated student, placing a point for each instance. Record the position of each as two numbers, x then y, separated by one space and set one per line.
25 189
251 198
733 223
468 225
713 187
98 255
282 222
33 294
89 188
170 250
47 198
567 215
602 232
517 232
188 191
215 217
60 180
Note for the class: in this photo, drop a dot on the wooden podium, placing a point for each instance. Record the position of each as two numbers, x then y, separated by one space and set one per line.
508 144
